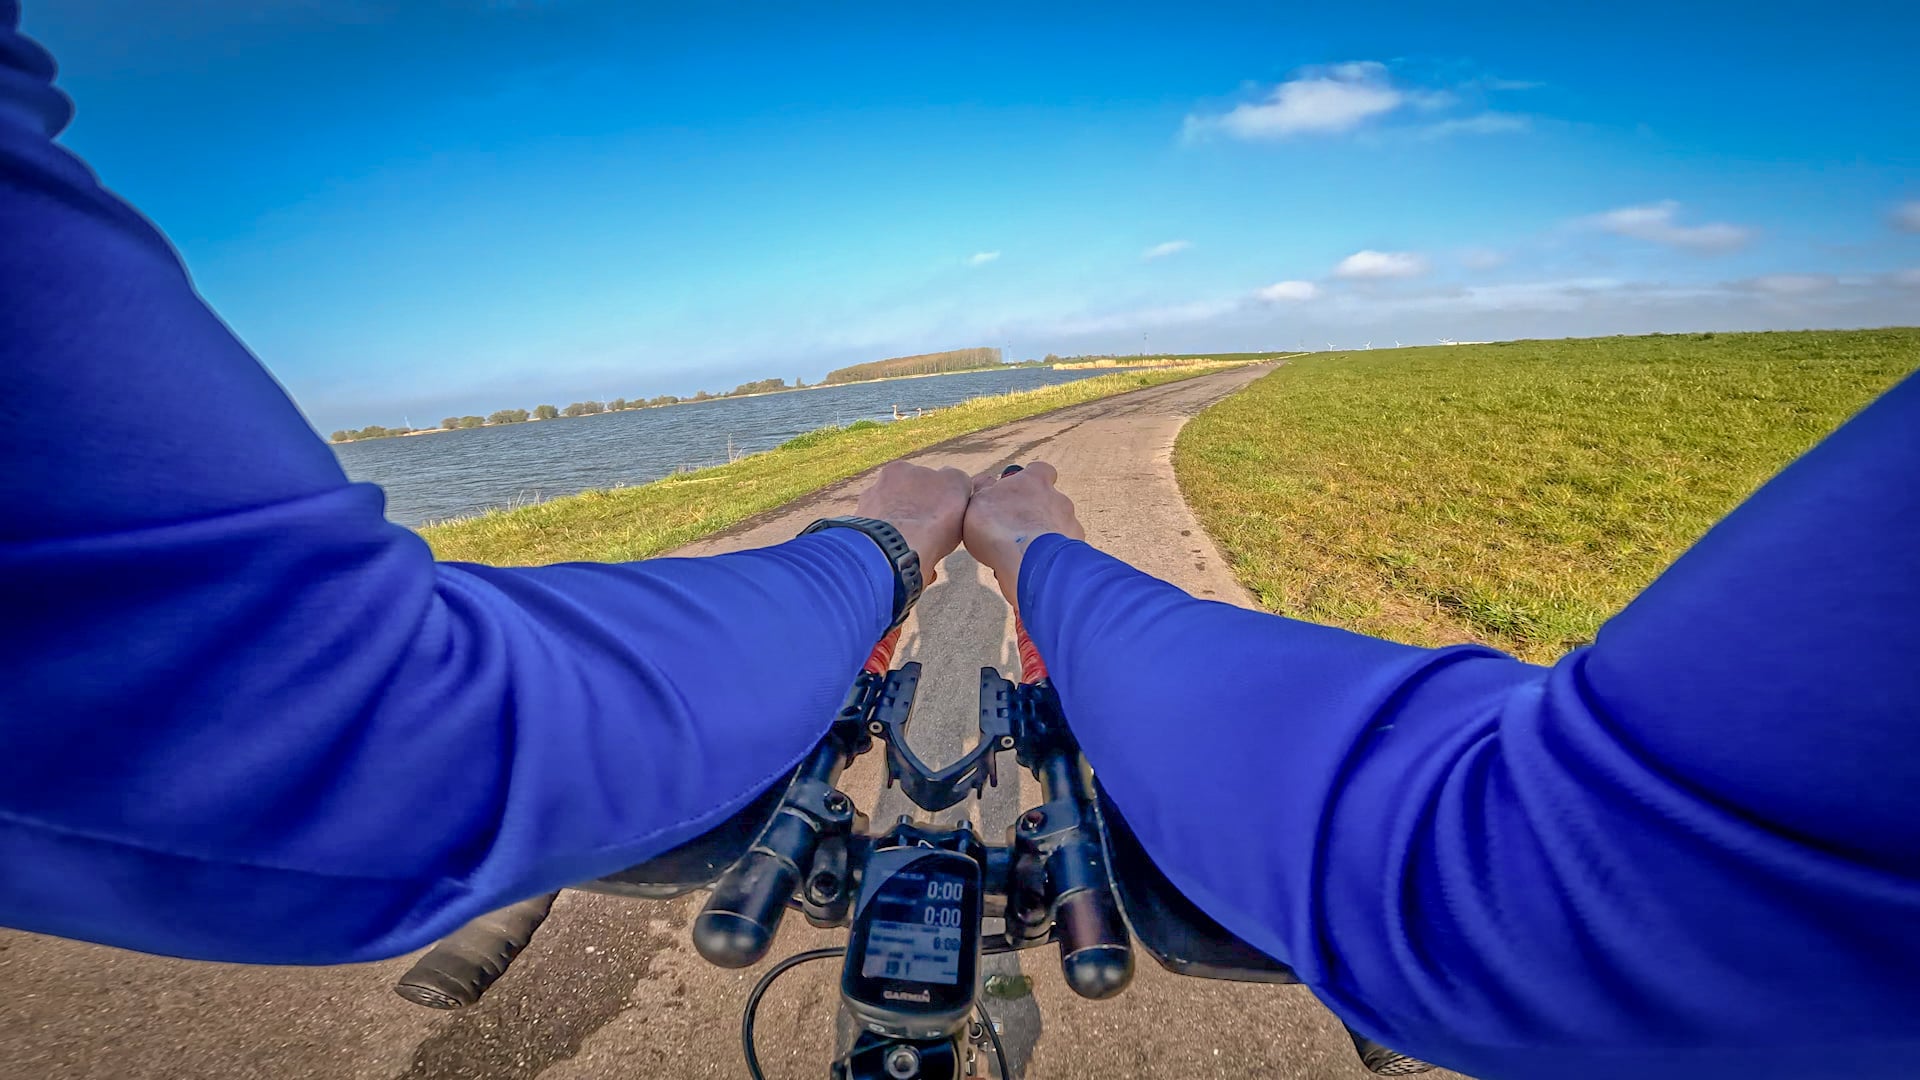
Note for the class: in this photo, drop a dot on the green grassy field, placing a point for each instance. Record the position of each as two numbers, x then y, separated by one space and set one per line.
1515 494
638 522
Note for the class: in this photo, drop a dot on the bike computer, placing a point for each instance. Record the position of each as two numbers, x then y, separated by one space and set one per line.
914 950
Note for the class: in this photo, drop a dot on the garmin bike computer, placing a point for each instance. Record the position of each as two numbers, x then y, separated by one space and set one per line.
915 945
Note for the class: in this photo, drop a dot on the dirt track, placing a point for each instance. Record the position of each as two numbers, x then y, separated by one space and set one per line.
612 988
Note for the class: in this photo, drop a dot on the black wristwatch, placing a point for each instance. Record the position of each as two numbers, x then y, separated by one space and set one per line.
907 582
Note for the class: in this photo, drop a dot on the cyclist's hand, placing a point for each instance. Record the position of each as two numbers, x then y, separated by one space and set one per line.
924 504
1009 512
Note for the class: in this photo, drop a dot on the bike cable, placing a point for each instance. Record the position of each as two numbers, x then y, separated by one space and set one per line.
760 990
766 981
993 1035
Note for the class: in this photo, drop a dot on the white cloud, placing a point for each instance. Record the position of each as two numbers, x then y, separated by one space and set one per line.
1791 284
1906 216
1483 259
1654 223
1381 264
1161 251
1288 291
1322 101
1432 100
1357 70
982 258
1259 318
1486 123
1337 98
1132 320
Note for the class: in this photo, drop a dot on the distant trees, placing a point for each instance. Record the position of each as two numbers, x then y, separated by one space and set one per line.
922 364
759 386
372 431
961 359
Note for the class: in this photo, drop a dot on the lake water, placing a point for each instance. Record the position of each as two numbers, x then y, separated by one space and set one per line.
461 473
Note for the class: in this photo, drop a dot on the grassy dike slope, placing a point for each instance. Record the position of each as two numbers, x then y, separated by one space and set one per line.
1516 493
639 522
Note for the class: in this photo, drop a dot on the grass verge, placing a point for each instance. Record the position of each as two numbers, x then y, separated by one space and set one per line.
1517 493
638 522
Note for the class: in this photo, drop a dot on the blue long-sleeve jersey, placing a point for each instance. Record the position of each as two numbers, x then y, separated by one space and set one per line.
244 717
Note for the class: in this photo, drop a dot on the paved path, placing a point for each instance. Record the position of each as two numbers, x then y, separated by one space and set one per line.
611 988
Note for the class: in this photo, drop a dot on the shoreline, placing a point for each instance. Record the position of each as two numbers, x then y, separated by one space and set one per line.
641 520
1163 362
711 400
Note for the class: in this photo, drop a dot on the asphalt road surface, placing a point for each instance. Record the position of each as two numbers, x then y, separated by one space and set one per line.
612 988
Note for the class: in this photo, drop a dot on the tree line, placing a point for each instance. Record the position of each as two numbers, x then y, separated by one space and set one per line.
552 412
933 363
922 364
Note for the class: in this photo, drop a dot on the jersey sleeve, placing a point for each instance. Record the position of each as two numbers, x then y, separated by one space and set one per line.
243 717
1692 848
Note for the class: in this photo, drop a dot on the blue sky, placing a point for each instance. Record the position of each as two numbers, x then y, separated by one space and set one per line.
414 208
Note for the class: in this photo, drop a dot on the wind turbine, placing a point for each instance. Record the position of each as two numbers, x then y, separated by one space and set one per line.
1329 346
1397 345
1368 345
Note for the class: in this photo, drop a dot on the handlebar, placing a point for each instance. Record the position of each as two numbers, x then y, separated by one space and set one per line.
1053 881
1051 877
465 964
739 922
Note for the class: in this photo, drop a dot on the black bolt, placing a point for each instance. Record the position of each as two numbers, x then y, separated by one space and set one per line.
1032 820
837 803
824 886
903 1063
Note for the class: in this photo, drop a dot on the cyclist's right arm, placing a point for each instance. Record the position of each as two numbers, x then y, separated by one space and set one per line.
243 717
1693 848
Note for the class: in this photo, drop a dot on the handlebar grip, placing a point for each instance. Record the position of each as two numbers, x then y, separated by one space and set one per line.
1032 667
458 970
1382 1061
881 658
1095 955
737 926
